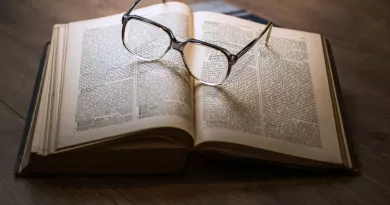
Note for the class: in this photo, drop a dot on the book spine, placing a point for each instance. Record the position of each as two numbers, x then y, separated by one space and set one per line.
31 112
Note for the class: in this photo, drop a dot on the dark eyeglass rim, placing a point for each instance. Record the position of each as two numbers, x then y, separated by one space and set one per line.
179 46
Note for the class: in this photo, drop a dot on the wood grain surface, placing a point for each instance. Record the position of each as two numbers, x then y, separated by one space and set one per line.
359 33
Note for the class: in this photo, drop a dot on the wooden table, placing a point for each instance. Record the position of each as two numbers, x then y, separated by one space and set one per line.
359 33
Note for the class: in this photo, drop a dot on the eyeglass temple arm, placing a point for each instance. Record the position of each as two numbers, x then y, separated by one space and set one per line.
252 43
135 4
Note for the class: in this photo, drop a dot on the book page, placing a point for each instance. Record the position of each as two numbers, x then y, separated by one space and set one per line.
40 123
50 97
109 92
276 98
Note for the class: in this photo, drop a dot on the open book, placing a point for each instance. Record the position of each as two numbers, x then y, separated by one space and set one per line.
101 109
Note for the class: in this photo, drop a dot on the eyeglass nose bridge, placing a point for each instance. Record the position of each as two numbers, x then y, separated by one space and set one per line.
177 45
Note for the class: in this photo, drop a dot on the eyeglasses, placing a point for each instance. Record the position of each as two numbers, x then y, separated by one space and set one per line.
150 41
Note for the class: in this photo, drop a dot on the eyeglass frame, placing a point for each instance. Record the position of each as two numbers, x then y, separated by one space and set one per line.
179 46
